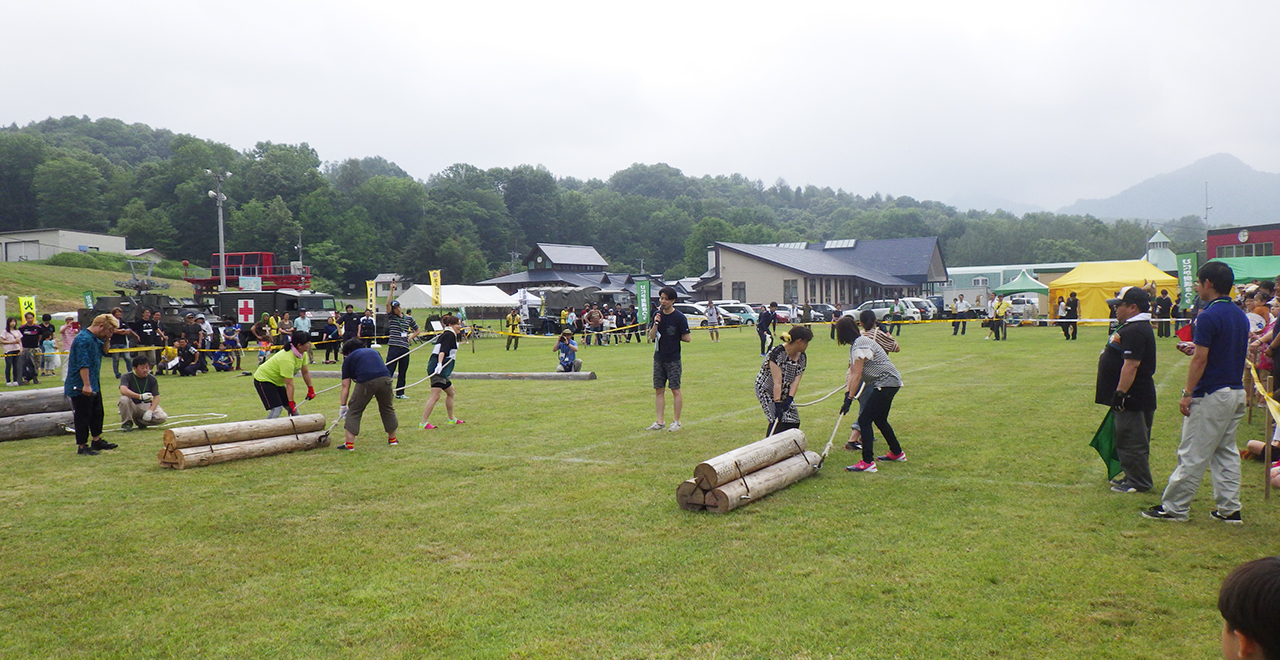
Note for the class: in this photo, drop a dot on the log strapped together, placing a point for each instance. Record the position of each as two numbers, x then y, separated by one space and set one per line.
198 446
743 475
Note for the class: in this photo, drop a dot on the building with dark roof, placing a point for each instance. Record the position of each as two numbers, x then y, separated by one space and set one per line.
554 264
845 271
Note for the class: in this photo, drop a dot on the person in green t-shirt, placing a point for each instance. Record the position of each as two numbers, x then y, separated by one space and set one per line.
274 378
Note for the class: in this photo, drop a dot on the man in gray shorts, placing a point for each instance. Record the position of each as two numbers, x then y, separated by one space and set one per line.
669 329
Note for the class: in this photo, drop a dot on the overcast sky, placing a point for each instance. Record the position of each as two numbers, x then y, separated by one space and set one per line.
966 102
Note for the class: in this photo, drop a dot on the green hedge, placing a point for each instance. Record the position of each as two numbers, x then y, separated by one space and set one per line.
113 262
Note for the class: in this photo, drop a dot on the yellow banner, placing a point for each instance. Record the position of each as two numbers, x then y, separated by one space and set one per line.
27 305
435 288
370 290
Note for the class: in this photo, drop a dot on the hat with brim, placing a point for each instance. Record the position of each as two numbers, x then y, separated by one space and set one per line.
1133 295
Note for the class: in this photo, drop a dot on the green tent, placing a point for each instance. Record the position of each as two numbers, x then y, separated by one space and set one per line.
1248 269
1023 283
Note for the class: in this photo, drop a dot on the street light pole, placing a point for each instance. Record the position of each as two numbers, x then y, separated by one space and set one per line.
219 177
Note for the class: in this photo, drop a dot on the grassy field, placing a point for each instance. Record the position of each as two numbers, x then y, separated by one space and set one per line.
59 288
546 526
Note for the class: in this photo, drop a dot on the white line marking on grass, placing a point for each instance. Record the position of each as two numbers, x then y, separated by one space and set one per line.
983 480
561 459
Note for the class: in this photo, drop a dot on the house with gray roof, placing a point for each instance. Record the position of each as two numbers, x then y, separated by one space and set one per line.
555 264
847 271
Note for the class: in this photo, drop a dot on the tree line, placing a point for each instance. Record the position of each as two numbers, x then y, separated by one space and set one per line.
363 216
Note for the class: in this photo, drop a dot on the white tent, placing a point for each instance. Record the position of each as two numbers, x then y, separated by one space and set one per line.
524 298
457 295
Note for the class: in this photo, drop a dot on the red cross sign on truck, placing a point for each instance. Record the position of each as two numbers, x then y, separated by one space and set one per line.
244 309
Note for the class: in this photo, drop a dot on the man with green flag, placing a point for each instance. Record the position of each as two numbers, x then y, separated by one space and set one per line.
1126 385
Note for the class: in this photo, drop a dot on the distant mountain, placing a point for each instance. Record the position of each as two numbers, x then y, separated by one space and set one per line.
1239 195
991 204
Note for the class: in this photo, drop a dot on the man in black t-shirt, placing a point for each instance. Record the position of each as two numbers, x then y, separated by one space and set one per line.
1164 311
1126 384
29 360
139 402
1073 312
669 329
765 325
350 324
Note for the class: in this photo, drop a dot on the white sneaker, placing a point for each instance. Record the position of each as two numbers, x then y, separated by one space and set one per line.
11 384
675 426
656 426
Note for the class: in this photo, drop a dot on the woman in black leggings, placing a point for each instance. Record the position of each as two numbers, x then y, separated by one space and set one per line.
869 364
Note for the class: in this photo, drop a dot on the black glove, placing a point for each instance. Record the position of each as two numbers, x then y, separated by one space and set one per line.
1118 400
779 409
848 402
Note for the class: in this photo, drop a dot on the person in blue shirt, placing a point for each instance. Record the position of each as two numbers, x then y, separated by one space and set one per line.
670 328
365 377
1213 402
568 349
331 340
82 386
765 325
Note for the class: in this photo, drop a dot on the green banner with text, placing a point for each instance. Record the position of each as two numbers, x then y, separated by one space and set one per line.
1188 264
642 301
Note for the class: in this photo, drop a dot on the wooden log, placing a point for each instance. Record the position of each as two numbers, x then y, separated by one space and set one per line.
761 483
39 425
689 496
30 402
254 429
191 457
494 375
745 460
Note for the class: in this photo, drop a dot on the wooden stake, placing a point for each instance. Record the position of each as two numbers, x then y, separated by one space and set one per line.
745 460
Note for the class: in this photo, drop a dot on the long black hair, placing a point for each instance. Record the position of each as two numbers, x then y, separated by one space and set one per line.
847 331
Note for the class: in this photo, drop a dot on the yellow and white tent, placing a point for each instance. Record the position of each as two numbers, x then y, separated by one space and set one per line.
1095 282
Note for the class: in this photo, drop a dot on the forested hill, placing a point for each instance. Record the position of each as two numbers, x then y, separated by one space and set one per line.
363 216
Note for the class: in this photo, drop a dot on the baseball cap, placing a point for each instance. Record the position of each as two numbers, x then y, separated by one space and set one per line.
395 303
1133 295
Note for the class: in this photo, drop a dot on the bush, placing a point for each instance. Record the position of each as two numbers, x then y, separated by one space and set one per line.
110 261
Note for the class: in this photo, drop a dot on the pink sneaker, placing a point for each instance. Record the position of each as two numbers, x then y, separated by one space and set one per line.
427 426
897 458
862 466
454 421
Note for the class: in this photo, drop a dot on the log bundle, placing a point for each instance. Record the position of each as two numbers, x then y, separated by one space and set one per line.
34 413
198 446
748 473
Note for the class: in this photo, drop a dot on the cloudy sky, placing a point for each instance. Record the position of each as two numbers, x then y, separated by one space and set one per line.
973 103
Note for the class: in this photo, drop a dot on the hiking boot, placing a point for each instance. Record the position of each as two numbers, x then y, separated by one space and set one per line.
675 426
84 450
1157 512
862 466
899 457
102 445
656 426
1230 519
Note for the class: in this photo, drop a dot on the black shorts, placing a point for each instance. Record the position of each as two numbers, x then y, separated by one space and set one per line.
666 374
272 395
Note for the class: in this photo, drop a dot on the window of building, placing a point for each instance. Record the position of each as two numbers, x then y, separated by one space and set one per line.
840 292
739 291
790 291
1245 250
813 290
981 281
951 284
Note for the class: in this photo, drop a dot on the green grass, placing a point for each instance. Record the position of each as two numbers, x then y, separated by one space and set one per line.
60 288
546 527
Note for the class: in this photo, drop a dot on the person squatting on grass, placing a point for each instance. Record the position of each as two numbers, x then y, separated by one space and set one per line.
372 381
779 380
870 364
568 350
273 379
1249 602
444 355
1213 403
669 329
1125 383
82 385
139 402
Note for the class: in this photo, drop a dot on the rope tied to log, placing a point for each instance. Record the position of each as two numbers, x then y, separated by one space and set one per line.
743 477
207 441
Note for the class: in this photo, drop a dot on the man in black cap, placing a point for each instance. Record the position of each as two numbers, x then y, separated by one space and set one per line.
1126 384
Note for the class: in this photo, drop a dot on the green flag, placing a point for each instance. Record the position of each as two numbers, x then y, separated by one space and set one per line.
1105 442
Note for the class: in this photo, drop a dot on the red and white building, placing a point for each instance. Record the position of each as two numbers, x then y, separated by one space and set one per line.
1255 241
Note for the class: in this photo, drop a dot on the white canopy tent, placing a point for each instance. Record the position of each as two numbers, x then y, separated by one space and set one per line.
453 296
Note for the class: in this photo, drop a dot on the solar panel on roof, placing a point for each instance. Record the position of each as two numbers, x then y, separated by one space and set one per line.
793 246
841 243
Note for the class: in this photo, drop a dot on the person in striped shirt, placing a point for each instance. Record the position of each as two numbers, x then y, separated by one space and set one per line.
401 329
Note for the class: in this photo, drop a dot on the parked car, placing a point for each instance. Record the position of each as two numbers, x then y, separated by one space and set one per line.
743 311
785 313
883 310
822 312
927 309
1023 307
692 313
726 317
944 310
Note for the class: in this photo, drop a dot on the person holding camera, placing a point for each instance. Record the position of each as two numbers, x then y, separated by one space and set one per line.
140 397
568 350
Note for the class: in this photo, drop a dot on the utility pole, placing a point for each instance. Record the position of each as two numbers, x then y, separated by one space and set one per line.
219 177
514 257
1206 204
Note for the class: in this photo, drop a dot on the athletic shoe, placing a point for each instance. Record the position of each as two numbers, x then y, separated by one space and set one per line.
656 426
84 450
401 396
899 457
454 421
393 442
862 466
1232 519
427 426
675 426
1117 481
102 445
126 427
853 446
1157 512
346 447
1123 487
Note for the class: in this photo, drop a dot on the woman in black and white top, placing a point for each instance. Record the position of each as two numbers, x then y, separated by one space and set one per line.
779 380
869 364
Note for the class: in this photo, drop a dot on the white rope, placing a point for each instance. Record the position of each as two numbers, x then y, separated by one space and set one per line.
824 398
173 419
334 387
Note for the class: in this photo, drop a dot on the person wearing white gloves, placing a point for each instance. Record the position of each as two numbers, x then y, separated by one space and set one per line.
372 380
139 403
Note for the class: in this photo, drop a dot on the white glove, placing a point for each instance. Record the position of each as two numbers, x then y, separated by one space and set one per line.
147 397
342 412
146 417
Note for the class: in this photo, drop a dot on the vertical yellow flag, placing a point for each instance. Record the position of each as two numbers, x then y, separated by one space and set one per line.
371 295
27 305
435 288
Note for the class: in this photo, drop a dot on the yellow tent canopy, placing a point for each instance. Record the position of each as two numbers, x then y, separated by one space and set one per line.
1096 281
